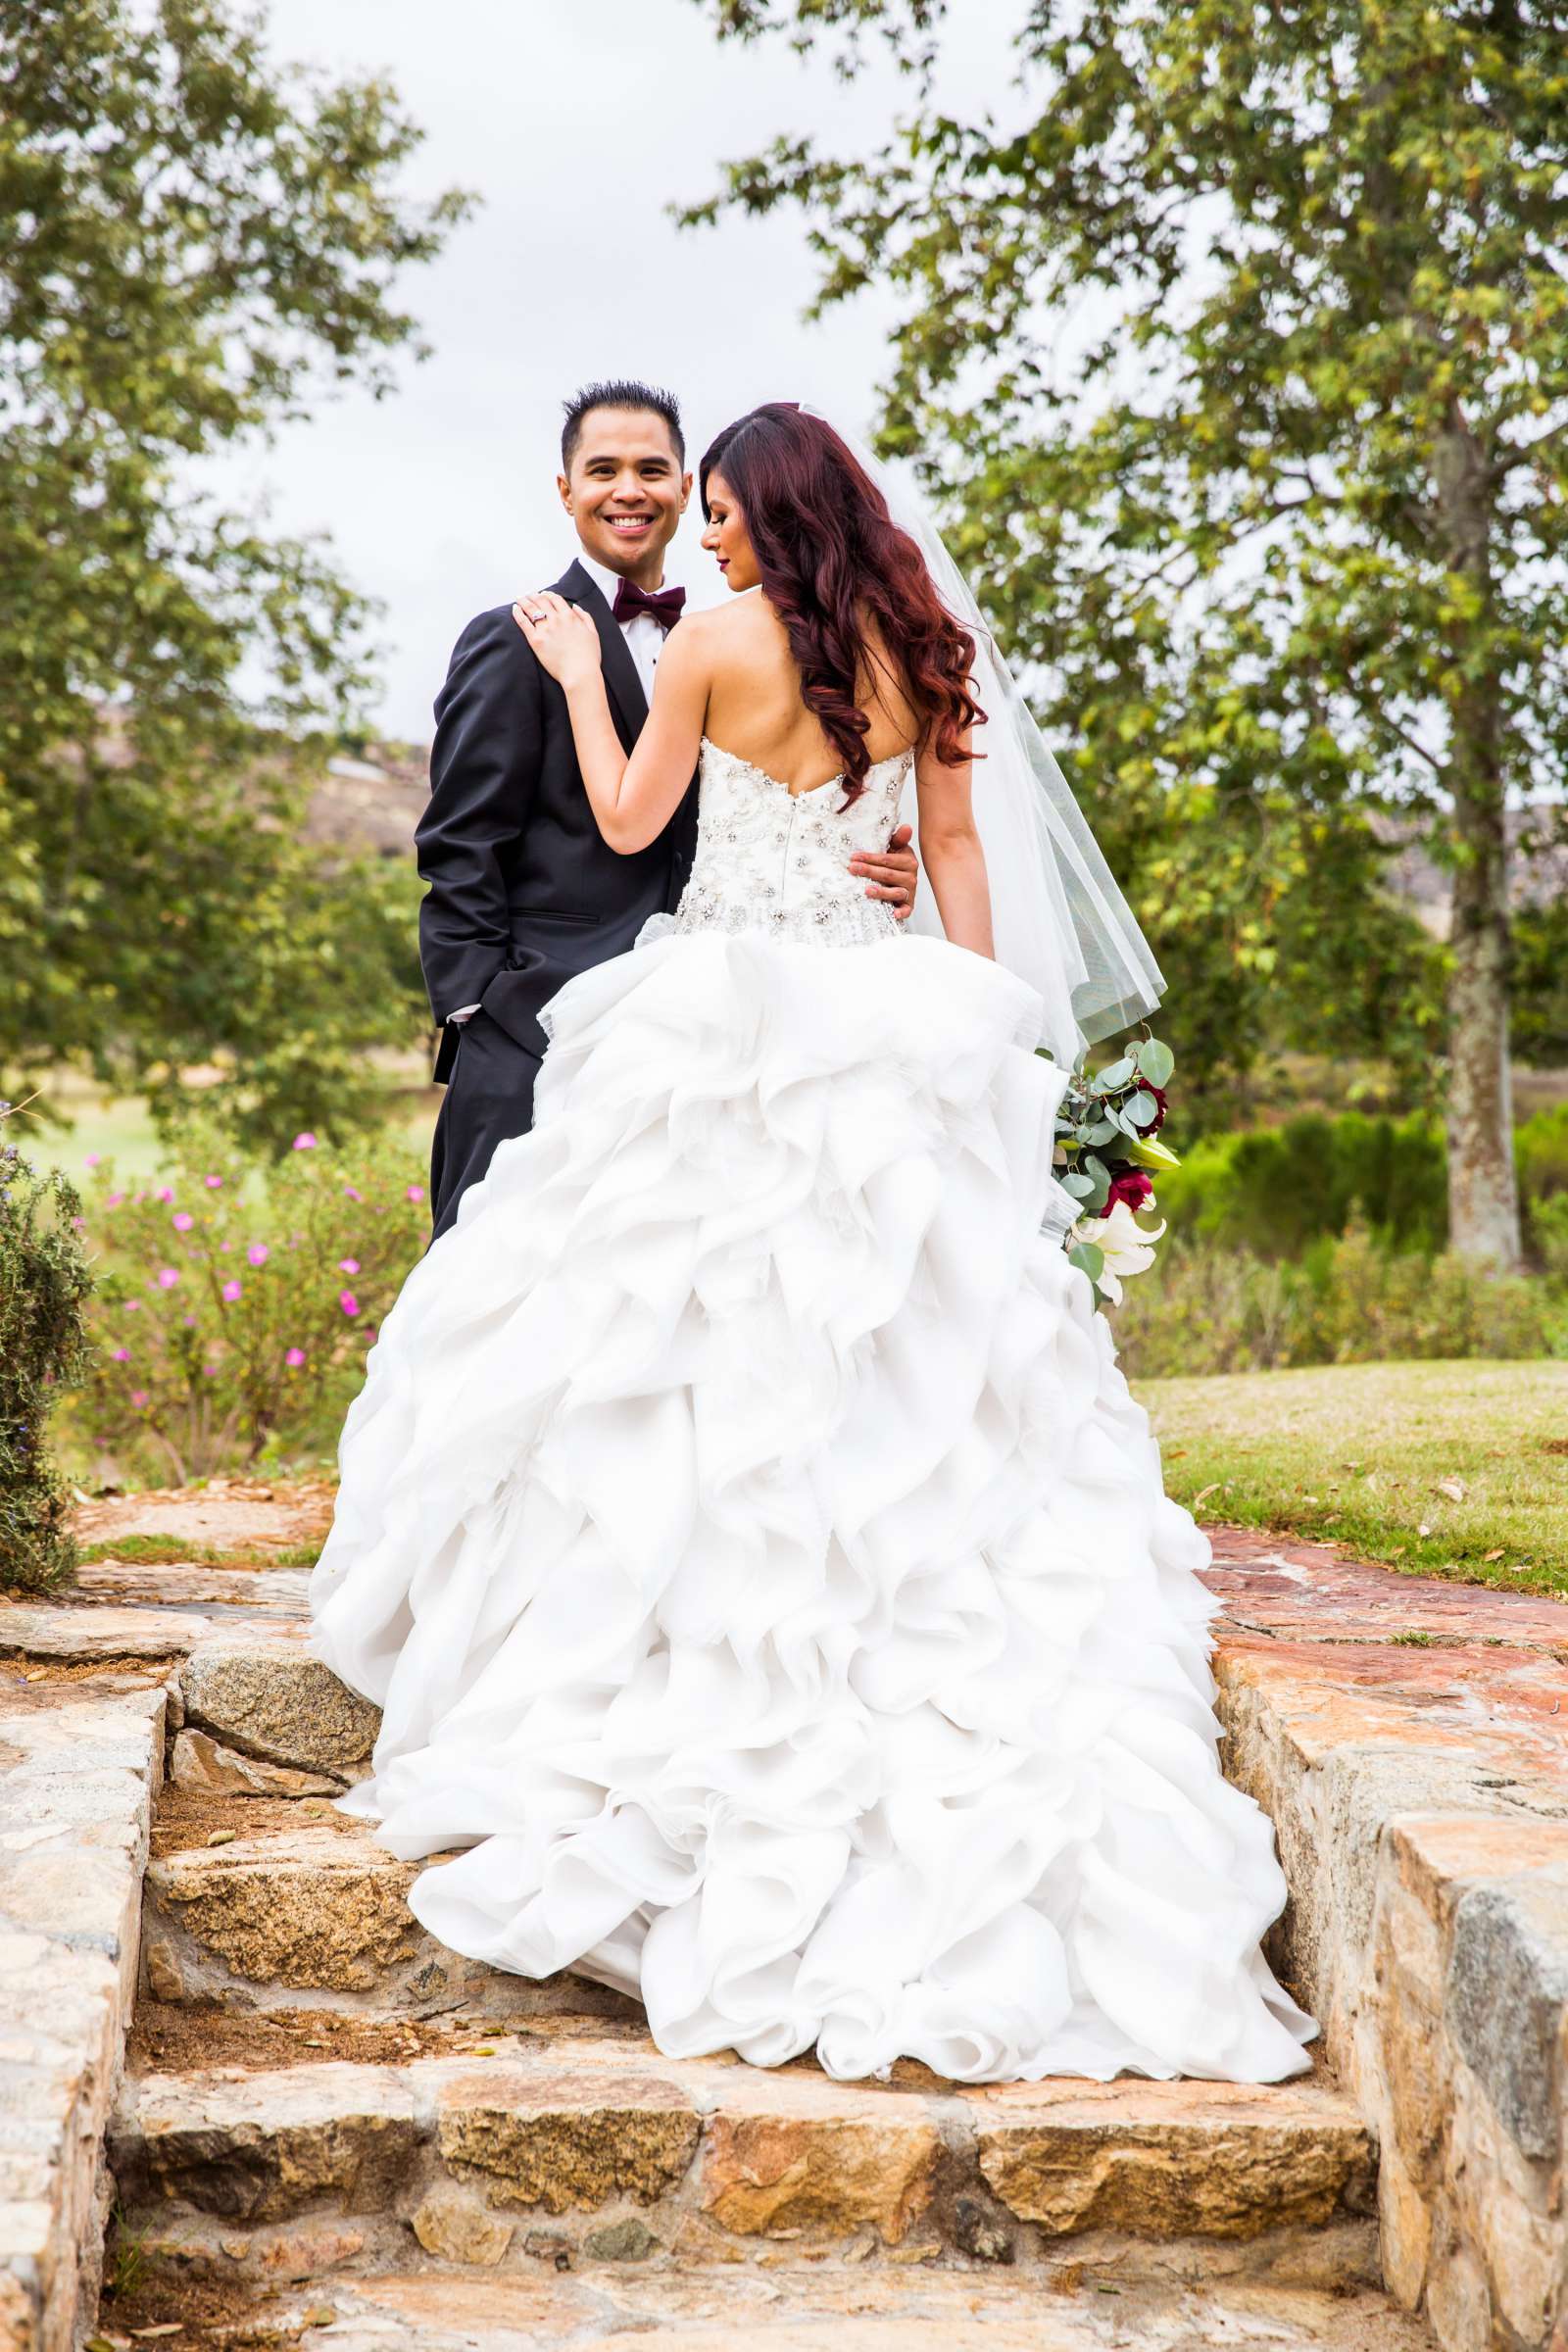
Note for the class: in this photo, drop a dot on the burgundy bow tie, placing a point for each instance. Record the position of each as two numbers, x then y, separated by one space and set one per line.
663 605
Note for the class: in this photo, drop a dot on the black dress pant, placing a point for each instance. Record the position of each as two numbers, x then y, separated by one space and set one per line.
489 1099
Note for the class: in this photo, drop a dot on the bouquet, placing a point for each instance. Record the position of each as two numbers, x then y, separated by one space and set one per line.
1106 1156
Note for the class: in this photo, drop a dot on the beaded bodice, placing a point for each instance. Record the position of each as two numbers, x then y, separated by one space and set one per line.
768 859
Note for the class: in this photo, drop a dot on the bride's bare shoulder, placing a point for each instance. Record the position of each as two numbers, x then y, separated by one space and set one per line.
743 630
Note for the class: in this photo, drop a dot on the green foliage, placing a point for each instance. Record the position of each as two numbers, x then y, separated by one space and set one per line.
1273 1190
1238 349
44 1281
1540 1151
1214 1308
1541 984
235 1301
196 244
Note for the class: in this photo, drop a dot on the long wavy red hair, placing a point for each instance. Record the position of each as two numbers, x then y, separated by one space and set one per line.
835 566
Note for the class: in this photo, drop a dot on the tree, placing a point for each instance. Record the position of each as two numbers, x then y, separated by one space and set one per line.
192 243
1293 509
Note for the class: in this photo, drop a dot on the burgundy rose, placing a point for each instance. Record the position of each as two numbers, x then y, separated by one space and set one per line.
1158 1093
1133 1185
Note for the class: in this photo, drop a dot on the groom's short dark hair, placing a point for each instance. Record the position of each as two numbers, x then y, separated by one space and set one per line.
620 392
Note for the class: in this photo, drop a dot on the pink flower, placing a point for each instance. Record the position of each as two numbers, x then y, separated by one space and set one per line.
305 1142
164 1192
212 1183
133 1307
187 1318
211 1371
231 1291
78 1224
348 1302
348 1266
349 1193
138 1398
113 1200
167 1276
370 1331
416 1192
122 1355
92 1160
294 1358
257 1253
183 1220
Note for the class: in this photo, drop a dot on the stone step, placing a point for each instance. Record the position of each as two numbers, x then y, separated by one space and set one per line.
585 2153
917 2310
299 1907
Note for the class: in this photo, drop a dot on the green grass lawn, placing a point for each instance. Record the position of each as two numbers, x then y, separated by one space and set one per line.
119 1127
1441 1469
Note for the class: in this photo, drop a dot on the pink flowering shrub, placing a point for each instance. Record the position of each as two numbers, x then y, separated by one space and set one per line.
223 1329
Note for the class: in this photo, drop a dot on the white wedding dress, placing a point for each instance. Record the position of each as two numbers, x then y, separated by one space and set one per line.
761 1565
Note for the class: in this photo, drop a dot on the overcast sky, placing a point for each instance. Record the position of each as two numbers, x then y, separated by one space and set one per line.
576 122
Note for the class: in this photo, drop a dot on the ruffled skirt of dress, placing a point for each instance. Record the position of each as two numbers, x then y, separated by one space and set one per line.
764 1572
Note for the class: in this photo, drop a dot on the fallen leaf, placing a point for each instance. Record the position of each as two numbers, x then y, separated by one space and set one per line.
1203 1494
1453 1487
222 1838
1494 1555
164 2328
1423 1529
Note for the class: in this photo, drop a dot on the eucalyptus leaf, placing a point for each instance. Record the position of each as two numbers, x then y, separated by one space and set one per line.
1117 1075
1079 1185
1156 1061
1088 1259
1143 1111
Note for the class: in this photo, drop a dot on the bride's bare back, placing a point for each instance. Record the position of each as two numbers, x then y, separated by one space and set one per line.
755 704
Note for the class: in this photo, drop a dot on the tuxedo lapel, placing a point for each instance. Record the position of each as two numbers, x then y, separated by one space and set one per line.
621 682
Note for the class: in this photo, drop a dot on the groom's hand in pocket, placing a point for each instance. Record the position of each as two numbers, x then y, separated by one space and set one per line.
892 874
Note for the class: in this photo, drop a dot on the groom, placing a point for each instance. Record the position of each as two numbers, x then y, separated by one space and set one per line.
525 891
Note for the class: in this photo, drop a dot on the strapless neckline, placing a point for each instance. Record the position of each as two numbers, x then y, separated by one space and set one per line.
764 776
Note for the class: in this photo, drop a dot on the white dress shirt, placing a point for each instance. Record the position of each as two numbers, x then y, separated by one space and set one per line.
645 642
645 638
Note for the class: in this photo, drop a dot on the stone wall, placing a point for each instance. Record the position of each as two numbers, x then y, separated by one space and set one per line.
1419 1786
78 1764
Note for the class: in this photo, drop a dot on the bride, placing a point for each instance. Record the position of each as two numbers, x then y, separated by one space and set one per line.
762 1568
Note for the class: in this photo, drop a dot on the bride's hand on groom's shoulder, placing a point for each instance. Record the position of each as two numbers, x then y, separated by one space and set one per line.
561 635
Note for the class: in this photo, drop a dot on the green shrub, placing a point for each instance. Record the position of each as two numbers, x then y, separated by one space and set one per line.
1540 1154
44 1280
1273 1190
236 1299
1350 1298
1276 1190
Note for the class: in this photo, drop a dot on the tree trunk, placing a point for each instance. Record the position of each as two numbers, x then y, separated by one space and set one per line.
1482 1195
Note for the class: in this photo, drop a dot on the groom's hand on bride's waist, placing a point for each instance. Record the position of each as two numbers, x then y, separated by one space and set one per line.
894 873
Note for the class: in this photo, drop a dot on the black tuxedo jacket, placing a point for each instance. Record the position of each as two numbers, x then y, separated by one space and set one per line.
525 891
